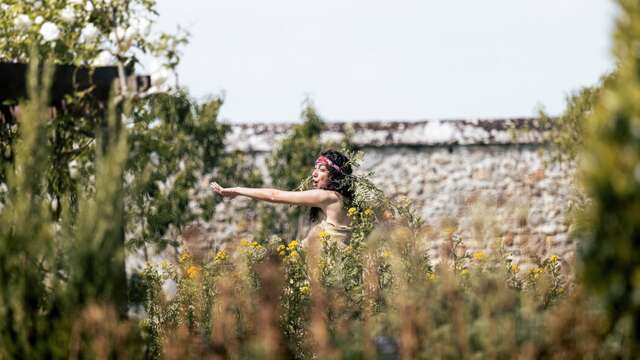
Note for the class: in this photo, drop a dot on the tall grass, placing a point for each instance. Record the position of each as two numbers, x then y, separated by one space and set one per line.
63 286
62 282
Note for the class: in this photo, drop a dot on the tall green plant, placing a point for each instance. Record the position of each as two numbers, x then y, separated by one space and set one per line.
566 133
173 142
25 232
610 251
82 33
52 269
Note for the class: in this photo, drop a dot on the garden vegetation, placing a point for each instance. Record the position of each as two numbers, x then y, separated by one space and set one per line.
80 189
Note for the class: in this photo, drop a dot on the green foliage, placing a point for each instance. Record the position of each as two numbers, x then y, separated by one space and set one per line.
174 141
610 251
76 185
52 272
470 312
115 32
293 157
26 237
85 32
566 133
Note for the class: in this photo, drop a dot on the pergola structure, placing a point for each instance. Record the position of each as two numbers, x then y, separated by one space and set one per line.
67 80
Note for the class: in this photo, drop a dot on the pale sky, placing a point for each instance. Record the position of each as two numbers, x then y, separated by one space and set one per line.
391 60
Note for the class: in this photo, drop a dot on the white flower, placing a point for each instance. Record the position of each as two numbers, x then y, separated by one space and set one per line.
159 77
4 7
113 35
155 123
73 169
89 33
141 26
39 19
68 15
161 186
130 33
155 159
122 37
49 31
158 83
54 204
75 2
89 7
129 177
22 22
3 188
105 58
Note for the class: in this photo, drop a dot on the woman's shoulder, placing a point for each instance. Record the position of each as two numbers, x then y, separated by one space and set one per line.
333 195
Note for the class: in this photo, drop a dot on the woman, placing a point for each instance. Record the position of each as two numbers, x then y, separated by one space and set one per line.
328 200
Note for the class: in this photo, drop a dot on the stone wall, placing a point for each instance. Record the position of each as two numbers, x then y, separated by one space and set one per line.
490 192
490 179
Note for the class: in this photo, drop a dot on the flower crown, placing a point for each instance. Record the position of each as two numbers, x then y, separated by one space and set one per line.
323 160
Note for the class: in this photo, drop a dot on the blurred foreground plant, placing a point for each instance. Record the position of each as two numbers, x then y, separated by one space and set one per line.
610 231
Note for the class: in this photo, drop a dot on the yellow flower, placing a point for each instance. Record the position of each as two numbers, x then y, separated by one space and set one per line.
514 268
164 264
254 244
464 272
449 230
554 259
184 257
244 242
282 253
479 256
386 254
193 271
324 235
221 256
352 211
281 248
431 276
368 212
535 272
293 245
294 254
305 290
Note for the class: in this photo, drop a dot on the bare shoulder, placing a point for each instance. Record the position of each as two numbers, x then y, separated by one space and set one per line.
336 197
330 196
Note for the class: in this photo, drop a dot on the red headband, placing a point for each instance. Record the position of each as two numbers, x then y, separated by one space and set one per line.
325 161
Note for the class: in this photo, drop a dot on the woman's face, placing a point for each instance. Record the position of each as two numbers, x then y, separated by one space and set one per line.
320 176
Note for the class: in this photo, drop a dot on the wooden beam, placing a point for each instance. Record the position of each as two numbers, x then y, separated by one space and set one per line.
67 79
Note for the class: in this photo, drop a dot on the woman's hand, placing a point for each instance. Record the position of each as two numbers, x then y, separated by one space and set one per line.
225 192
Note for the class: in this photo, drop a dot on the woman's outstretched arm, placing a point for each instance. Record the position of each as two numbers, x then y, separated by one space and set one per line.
315 198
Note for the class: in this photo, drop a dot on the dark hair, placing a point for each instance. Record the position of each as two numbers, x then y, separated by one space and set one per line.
339 180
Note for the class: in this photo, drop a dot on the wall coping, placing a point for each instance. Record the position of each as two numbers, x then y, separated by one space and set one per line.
260 137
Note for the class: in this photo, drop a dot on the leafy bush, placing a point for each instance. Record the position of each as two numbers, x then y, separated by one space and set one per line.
611 174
